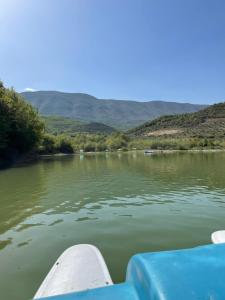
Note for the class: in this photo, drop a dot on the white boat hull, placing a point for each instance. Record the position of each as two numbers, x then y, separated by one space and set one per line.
218 237
79 268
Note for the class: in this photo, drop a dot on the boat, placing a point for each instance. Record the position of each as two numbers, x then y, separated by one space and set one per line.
198 273
149 151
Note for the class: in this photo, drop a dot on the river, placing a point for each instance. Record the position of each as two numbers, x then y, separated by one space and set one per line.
123 203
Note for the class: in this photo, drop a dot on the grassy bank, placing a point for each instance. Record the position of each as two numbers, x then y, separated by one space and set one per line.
118 141
52 144
176 143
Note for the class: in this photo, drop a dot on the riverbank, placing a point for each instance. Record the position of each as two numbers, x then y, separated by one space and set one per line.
32 157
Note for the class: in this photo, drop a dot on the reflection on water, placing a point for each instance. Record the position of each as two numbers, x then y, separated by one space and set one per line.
122 202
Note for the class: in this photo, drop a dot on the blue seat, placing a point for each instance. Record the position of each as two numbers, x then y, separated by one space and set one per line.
189 274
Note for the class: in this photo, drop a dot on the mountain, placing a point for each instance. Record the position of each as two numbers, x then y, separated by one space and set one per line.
58 125
207 123
120 114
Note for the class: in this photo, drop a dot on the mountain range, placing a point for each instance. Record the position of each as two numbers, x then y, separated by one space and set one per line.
120 114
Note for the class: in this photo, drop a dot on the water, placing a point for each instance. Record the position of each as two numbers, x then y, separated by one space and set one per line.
123 203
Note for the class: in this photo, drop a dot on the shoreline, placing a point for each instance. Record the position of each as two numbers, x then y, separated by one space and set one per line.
127 151
31 158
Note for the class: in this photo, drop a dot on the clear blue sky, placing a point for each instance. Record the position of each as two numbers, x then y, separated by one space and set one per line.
123 49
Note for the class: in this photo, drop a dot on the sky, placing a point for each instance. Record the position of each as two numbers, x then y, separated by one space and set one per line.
172 50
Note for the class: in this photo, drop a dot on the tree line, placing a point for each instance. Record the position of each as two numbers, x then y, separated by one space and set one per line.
22 131
21 128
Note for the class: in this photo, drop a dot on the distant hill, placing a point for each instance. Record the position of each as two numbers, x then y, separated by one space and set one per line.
120 114
207 123
59 125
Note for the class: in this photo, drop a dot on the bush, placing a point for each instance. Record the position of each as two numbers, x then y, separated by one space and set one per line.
100 147
64 144
117 141
89 147
48 145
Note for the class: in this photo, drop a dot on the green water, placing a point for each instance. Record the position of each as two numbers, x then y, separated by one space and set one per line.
123 203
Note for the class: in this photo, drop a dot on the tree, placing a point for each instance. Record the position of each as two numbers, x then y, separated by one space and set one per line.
48 144
116 141
20 126
64 144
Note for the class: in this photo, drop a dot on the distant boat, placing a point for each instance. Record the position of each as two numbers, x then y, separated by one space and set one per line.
149 151
80 273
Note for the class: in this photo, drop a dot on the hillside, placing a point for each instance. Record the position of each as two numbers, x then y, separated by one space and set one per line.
59 125
207 123
120 114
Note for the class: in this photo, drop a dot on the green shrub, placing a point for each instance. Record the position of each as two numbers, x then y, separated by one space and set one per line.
89 147
64 144
100 147
48 144
117 141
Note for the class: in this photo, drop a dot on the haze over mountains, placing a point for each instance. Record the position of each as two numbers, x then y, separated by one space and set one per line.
120 114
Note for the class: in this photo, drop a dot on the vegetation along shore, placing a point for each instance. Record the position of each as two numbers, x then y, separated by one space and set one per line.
25 133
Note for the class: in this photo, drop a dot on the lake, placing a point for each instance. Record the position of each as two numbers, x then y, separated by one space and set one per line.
123 203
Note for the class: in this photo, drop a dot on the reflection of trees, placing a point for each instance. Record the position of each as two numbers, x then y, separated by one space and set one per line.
159 171
20 191
70 183
185 169
93 178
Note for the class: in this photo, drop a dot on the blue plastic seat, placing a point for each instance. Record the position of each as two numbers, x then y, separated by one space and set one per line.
190 274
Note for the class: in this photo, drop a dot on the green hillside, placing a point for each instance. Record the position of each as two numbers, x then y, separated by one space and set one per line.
207 123
59 125
120 114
